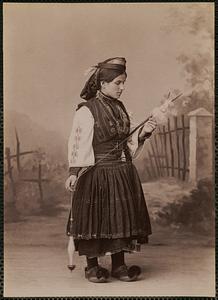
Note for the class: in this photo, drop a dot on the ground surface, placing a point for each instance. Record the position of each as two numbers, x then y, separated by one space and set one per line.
173 264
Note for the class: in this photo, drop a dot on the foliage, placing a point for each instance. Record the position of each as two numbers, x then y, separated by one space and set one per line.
195 212
197 59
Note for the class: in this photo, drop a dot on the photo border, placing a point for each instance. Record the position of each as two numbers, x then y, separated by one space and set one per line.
2 156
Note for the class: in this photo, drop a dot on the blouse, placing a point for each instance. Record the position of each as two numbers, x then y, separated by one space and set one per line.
80 148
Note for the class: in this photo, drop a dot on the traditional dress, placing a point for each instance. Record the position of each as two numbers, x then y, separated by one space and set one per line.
108 208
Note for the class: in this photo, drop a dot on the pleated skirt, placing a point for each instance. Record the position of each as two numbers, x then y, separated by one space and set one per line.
109 210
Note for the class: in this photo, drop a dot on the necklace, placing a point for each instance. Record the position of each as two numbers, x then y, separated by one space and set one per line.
115 113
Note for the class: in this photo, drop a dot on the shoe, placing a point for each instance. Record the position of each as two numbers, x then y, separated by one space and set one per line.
97 274
127 274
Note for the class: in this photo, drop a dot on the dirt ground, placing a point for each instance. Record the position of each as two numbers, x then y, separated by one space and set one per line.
35 263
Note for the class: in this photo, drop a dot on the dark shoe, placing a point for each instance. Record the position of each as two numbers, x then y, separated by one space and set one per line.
97 274
124 273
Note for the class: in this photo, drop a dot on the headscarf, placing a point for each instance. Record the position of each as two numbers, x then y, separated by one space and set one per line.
104 71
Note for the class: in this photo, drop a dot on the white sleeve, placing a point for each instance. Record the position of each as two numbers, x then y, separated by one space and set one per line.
80 150
132 143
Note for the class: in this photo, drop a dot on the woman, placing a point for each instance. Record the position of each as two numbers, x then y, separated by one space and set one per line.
109 209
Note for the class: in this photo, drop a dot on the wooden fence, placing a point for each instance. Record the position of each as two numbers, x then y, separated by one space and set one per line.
167 151
10 169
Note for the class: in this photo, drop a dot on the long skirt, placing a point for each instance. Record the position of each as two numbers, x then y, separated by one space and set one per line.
109 210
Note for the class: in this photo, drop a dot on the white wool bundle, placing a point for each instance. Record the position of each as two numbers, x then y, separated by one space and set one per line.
160 113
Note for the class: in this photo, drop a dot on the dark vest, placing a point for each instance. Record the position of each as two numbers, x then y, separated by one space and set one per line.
111 126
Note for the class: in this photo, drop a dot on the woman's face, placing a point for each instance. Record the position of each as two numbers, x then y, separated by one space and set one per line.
115 87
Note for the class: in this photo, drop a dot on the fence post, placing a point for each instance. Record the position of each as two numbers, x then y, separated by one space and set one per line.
165 150
200 143
18 151
10 173
171 148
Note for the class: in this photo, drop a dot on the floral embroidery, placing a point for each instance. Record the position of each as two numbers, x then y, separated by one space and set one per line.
77 139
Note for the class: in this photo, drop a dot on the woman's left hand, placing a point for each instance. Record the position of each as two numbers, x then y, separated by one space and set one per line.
149 126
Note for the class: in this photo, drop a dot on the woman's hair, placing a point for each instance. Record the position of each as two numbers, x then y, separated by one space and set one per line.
105 71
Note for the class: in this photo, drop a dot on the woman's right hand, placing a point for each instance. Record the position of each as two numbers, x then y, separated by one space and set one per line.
70 182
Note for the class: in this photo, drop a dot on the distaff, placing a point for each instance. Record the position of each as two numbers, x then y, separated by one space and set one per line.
149 121
156 114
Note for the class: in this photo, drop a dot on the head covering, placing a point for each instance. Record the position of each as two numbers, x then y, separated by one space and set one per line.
104 71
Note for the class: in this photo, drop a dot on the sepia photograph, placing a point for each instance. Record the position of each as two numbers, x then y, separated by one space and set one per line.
109 149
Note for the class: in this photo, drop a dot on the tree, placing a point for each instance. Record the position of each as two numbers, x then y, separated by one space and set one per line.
194 21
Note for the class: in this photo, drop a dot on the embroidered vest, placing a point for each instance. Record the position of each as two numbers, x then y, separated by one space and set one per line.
111 124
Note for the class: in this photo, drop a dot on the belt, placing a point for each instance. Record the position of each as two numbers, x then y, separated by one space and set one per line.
107 159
